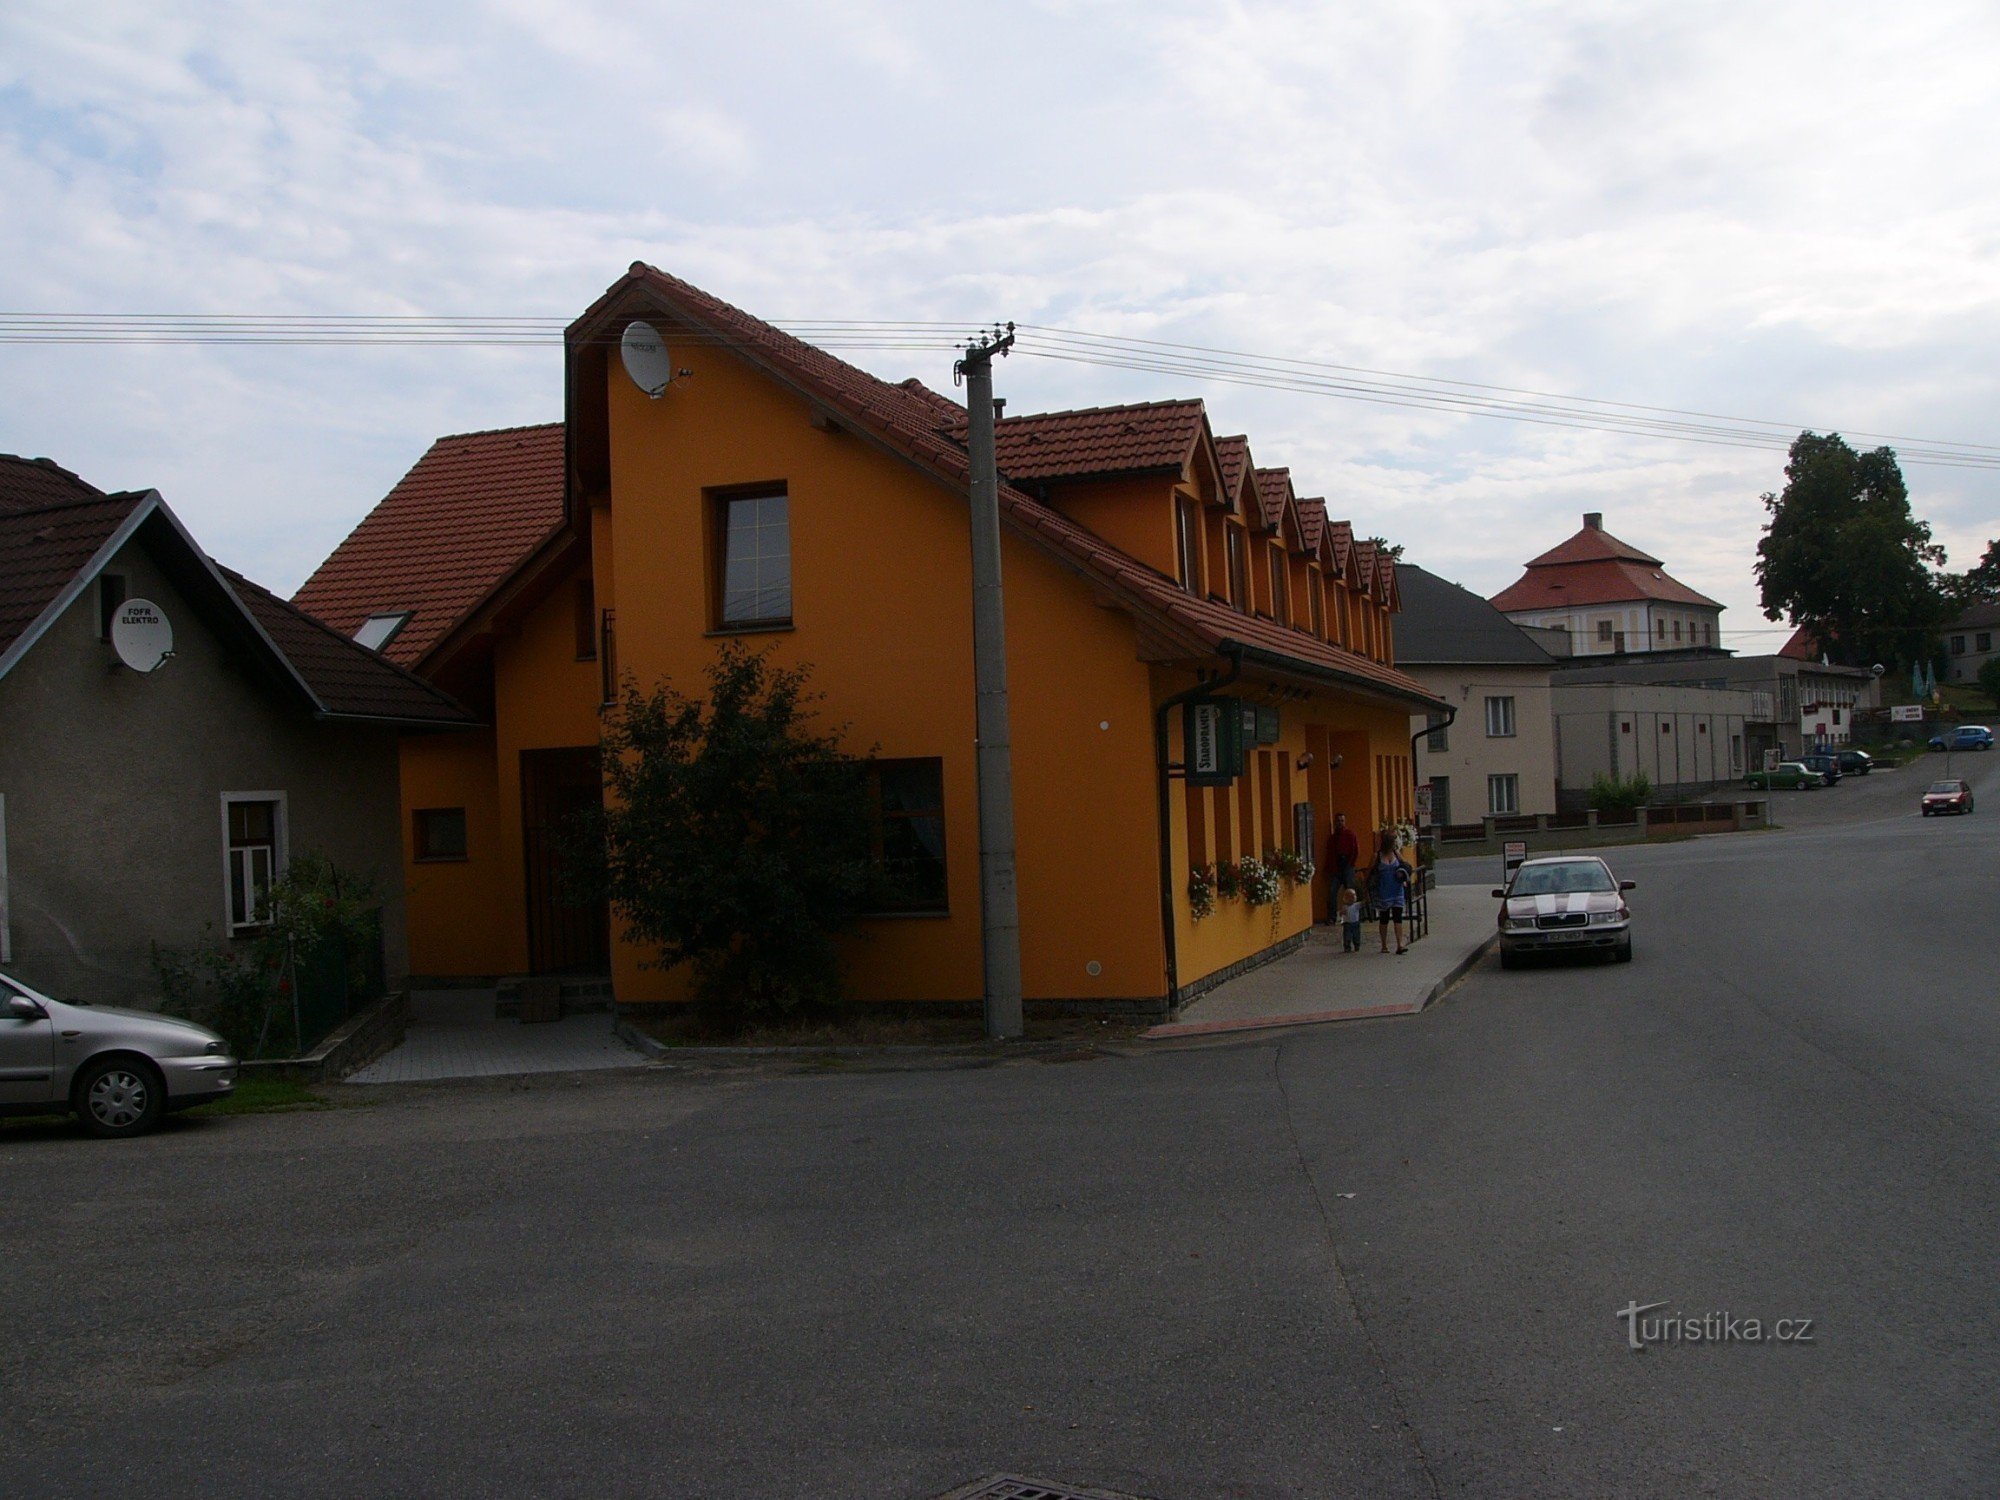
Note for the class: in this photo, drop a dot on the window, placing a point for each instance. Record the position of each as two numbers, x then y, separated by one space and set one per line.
1281 592
607 654
1983 641
440 833
1708 633
908 841
1503 794
1184 546
1604 630
1439 738
253 837
1659 630
586 620
1499 718
1239 579
378 630
1677 630
110 594
1440 800
755 561
1316 595
1958 645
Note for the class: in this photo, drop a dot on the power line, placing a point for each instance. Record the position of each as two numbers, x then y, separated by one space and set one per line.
1112 351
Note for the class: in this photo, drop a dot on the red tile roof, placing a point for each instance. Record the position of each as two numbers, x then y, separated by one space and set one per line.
907 422
28 483
1592 544
1274 492
1233 454
42 549
1312 523
1605 582
1097 440
471 511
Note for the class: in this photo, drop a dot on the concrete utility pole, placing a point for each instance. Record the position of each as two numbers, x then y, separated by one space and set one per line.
998 909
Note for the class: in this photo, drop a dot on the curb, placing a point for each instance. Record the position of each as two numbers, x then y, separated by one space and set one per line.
1175 1030
971 1054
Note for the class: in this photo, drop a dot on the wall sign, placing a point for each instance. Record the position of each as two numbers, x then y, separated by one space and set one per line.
141 635
1212 740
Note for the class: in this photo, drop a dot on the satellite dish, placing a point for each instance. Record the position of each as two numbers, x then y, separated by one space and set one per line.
141 635
646 360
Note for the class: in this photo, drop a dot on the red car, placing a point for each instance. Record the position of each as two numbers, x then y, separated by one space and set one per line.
1948 797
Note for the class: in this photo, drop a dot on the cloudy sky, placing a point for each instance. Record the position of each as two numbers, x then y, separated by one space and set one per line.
1781 211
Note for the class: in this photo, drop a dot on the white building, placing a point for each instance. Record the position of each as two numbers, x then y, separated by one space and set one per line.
1611 598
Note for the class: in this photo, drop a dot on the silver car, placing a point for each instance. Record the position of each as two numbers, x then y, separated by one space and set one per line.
119 1070
1564 903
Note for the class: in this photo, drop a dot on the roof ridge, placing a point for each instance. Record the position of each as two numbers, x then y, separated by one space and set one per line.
446 437
1111 410
77 503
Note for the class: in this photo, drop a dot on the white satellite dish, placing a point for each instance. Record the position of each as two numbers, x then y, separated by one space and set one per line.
646 358
141 635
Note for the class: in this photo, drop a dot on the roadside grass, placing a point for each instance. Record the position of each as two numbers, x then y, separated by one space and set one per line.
252 1096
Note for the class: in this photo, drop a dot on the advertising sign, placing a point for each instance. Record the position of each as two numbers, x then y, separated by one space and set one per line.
1906 713
1212 734
141 635
1511 854
1424 805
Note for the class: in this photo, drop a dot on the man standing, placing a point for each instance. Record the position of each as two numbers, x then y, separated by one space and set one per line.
1343 852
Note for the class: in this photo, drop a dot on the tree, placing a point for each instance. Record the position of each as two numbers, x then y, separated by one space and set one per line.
1979 584
735 836
1383 545
1989 679
1843 556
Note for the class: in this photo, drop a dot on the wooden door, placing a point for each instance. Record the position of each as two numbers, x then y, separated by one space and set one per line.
563 936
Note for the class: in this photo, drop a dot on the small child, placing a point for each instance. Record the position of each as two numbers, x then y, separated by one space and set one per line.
1350 920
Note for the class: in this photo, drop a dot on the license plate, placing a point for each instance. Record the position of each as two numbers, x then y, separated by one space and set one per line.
1566 937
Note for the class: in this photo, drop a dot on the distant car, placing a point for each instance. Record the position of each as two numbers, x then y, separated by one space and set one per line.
117 1070
1788 776
1563 904
1855 762
1825 762
1947 797
1964 737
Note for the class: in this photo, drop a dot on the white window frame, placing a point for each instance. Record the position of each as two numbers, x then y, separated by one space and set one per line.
392 623
1509 782
1506 715
281 852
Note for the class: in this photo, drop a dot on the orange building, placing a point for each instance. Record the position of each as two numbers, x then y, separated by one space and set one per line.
777 495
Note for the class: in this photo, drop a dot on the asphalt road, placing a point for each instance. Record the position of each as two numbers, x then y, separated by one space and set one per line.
1382 1258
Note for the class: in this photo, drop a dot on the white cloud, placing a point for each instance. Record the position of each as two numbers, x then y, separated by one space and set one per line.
1777 211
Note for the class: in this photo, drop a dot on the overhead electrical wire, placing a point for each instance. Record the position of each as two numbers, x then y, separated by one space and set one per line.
1064 345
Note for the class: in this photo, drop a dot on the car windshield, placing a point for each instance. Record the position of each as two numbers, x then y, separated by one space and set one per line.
1561 880
1944 788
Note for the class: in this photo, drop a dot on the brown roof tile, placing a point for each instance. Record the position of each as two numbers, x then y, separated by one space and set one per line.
1607 581
28 483
1274 493
1098 440
1233 454
1312 523
471 511
42 549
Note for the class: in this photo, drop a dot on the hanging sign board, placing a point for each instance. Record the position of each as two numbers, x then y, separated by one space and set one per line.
141 635
1212 740
1424 805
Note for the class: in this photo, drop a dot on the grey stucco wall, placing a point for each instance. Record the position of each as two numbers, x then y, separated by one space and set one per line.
113 784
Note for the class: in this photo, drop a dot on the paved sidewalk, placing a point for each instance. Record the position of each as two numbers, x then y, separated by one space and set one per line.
453 1034
1320 983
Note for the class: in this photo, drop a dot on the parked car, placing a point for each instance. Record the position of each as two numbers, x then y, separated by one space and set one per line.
1825 762
1787 776
1855 762
117 1070
1952 796
1561 904
1964 737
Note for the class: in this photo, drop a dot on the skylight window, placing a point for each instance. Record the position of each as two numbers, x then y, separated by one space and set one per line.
378 630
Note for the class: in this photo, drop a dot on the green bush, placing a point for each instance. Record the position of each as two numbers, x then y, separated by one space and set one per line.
1989 679
1621 793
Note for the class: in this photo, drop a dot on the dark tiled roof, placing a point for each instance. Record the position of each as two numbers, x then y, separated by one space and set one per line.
1098 440
1274 489
1233 454
1312 523
29 483
42 550
350 681
471 511
1442 623
907 423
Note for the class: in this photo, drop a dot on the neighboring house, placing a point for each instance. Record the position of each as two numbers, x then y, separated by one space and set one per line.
776 496
1498 755
1685 740
1611 598
1968 642
143 808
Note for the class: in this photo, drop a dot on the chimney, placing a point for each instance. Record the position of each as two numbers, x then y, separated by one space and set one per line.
1593 520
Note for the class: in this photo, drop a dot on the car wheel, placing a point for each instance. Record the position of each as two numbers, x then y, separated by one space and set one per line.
119 1096
1622 954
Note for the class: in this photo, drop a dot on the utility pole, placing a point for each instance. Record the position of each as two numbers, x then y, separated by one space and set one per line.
1000 922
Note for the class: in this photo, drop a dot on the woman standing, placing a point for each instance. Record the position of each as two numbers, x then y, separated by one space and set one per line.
1389 883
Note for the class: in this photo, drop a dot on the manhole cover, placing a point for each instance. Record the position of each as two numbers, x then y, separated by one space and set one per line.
1014 1487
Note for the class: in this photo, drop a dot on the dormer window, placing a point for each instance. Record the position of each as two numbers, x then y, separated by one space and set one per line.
1239 577
1184 545
378 630
1281 585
